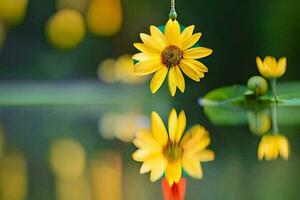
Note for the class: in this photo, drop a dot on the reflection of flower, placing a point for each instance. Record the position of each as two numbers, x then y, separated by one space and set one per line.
170 52
122 126
259 122
162 151
273 145
270 68
175 191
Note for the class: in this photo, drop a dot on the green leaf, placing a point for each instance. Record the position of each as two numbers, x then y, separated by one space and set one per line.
224 96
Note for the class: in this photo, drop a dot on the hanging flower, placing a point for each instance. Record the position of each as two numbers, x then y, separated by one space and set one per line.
270 68
175 191
271 146
172 53
168 152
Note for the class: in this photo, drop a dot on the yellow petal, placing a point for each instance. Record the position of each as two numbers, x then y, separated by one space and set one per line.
260 65
205 155
196 65
181 123
141 57
284 148
190 41
281 66
151 163
158 129
197 53
179 79
172 83
191 72
150 42
158 79
141 155
173 172
158 170
172 32
192 166
172 122
158 36
147 67
186 34
146 142
145 49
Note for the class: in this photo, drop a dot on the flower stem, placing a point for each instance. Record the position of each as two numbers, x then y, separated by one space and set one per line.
274 117
274 89
173 14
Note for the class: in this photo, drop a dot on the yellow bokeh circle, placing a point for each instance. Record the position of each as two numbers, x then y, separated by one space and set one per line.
104 17
65 29
13 12
67 158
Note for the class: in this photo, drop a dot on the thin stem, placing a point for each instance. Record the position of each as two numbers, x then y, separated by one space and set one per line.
173 14
274 117
274 89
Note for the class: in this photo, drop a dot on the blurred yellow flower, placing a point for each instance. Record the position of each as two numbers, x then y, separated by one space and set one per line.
170 53
119 70
13 12
65 29
104 17
125 70
168 152
271 146
259 122
270 68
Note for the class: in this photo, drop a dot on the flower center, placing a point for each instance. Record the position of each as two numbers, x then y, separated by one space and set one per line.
173 152
171 56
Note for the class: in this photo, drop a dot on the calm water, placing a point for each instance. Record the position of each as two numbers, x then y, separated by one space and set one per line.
84 152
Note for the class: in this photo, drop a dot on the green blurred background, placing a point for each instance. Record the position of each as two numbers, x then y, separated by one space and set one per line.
50 94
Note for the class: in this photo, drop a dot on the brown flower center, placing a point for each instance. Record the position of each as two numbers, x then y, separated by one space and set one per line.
171 56
173 152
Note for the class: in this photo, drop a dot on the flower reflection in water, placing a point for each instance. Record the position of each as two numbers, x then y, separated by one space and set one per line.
105 175
13 172
122 126
168 152
68 163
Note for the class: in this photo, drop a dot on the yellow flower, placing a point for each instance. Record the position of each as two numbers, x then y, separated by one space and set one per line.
273 145
270 68
168 152
170 52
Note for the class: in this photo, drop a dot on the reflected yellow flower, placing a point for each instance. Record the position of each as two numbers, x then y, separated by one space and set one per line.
13 177
259 122
65 29
125 71
75 189
13 12
272 146
106 175
170 53
104 17
122 126
168 152
67 158
270 68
